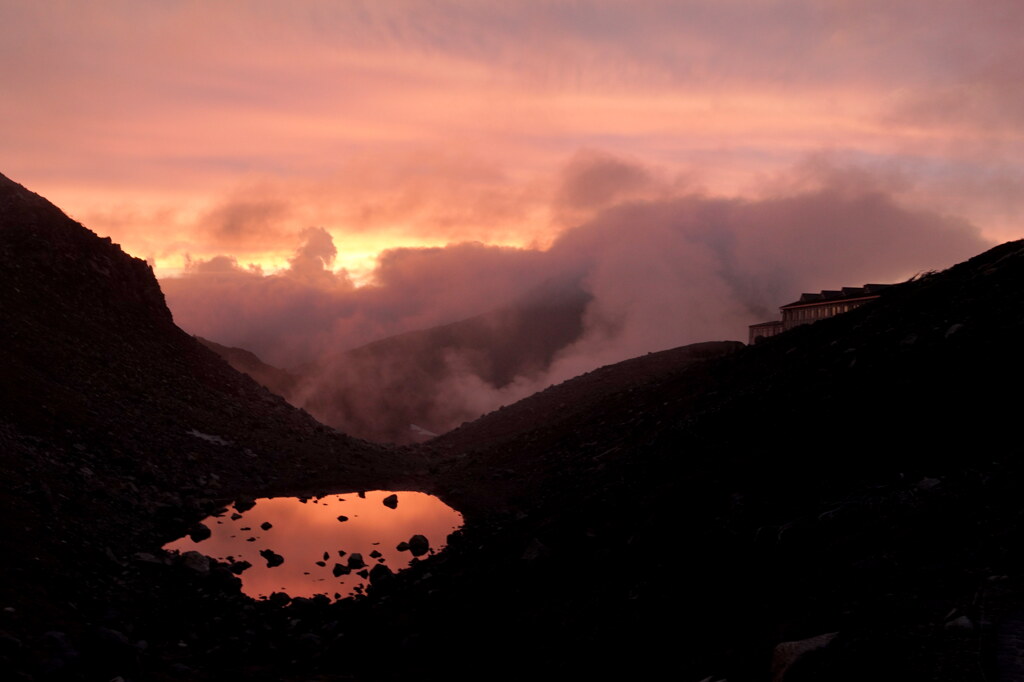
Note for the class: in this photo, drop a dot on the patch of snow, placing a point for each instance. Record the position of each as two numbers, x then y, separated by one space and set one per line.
420 431
217 440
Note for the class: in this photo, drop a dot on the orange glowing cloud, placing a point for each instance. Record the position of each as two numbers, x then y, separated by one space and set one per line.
314 175
192 129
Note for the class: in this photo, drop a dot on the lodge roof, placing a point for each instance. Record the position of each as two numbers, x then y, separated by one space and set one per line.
831 295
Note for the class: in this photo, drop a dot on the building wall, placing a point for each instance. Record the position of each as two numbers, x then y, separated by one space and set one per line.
812 312
764 331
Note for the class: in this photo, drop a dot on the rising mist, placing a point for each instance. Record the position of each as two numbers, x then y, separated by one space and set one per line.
645 269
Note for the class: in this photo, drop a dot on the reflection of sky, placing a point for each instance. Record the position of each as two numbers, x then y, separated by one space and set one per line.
303 532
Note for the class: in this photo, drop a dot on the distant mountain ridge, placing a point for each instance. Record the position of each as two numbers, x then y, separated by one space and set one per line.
839 502
279 381
378 390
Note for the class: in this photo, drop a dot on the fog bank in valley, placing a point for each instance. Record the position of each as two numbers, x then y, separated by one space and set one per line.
645 267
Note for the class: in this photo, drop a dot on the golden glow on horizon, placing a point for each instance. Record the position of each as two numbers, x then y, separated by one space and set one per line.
359 265
228 130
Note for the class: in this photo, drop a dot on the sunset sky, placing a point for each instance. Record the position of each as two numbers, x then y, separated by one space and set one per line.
186 128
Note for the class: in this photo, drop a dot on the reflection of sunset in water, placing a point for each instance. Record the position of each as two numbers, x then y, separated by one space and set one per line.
307 532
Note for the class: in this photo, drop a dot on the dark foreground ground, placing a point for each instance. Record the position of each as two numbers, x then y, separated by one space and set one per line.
855 483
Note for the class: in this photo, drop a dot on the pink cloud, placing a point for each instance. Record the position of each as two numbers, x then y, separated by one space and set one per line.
657 273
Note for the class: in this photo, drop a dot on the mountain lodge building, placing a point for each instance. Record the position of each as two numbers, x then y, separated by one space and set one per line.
814 307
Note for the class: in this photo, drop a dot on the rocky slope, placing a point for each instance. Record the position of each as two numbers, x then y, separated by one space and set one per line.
852 477
117 430
278 381
852 485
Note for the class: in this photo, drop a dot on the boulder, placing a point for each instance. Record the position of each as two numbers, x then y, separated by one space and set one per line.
199 532
273 558
195 561
380 573
240 567
419 545
244 504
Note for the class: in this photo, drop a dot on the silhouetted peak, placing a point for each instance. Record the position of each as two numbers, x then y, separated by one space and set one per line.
50 260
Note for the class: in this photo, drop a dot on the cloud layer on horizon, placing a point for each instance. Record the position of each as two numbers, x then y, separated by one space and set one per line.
198 128
660 272
693 162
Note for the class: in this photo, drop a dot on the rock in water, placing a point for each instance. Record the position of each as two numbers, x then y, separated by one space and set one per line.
199 532
391 501
419 545
239 567
272 557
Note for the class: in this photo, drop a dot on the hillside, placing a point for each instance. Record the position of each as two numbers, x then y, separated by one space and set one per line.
379 390
118 429
278 381
853 481
849 477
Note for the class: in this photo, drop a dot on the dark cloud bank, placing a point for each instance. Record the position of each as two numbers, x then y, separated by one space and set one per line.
637 276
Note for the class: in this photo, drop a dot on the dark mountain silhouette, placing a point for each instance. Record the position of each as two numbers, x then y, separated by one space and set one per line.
377 391
850 477
115 427
851 487
279 381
